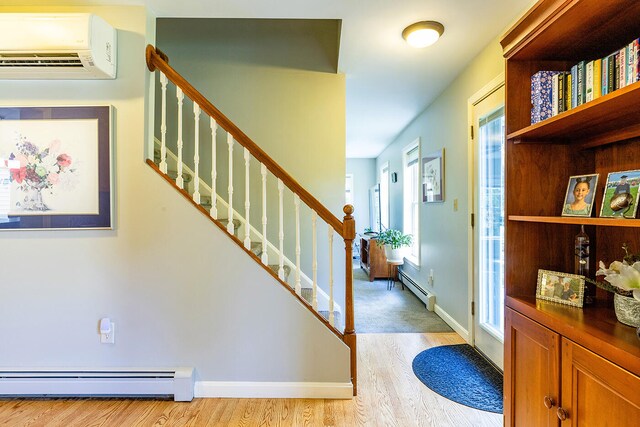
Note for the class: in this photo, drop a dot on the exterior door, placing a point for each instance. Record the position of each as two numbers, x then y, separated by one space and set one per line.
488 230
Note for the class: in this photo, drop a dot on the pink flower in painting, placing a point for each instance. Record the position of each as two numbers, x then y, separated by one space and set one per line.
53 178
19 174
64 160
22 159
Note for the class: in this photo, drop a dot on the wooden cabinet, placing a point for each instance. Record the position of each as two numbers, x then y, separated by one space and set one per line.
531 372
600 136
372 258
552 381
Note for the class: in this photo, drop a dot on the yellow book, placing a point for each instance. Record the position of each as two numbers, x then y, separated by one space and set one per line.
597 78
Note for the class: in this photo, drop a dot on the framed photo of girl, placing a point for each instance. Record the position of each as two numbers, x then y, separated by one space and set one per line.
580 195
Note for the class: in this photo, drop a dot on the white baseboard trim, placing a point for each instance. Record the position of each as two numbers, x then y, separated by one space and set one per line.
451 322
272 390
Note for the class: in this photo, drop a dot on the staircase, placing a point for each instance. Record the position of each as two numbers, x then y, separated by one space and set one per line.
253 237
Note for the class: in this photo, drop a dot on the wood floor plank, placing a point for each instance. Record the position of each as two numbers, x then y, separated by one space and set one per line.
389 395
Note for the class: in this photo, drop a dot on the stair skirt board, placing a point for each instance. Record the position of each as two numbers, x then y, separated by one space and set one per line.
108 382
273 390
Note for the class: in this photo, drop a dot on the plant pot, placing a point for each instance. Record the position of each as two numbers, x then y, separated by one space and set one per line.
627 310
394 254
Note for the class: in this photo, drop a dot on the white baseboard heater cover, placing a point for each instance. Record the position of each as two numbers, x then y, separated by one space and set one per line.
108 382
425 296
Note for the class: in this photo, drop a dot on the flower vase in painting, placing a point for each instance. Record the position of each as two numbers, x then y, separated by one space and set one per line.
41 172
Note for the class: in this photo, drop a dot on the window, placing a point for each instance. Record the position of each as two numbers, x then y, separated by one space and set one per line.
384 196
348 191
410 204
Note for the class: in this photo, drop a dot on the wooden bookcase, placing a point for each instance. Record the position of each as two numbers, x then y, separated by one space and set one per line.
600 136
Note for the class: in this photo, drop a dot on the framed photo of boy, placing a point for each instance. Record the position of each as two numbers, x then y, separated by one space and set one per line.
581 191
620 198
560 287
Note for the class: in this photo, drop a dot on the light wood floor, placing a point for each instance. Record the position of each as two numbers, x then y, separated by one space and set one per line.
389 395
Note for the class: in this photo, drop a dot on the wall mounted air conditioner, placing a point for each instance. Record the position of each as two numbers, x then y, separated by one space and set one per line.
56 46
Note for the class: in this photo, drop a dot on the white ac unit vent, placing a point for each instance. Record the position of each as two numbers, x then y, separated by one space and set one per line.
56 46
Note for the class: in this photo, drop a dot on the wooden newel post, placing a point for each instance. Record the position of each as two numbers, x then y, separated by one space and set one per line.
349 233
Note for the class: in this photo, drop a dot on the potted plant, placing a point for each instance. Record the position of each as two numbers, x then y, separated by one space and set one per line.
623 279
394 243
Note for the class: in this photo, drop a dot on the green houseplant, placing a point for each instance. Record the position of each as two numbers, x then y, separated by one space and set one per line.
394 242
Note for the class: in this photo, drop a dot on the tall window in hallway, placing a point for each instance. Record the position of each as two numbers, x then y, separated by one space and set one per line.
411 180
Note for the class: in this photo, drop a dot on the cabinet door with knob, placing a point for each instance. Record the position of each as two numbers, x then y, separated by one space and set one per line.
531 372
596 392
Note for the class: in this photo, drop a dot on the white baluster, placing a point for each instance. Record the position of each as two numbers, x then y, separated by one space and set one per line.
247 203
296 202
265 256
196 156
314 265
331 315
214 172
180 96
163 125
281 232
230 229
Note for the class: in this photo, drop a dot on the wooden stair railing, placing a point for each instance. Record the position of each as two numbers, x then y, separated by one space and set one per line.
157 60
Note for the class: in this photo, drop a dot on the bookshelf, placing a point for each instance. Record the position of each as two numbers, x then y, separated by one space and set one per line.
542 340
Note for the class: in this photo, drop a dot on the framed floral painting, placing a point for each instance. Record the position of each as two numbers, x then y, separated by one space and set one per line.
55 168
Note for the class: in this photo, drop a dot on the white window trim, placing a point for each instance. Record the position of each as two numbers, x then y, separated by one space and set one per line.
413 260
387 207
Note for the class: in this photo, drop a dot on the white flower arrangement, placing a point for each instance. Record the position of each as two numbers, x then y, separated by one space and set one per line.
623 276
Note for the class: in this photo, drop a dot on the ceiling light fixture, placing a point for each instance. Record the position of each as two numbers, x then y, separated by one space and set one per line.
423 34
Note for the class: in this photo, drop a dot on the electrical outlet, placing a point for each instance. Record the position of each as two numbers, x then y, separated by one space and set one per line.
110 337
431 277
455 205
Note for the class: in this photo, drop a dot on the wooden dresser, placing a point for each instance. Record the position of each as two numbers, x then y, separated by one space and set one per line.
372 258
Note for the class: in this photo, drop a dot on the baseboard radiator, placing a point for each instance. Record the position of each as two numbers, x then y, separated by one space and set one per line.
111 382
425 296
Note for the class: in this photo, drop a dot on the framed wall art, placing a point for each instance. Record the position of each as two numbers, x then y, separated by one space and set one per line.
620 198
56 168
433 177
560 287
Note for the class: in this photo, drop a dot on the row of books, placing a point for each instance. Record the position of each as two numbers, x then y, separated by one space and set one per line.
553 92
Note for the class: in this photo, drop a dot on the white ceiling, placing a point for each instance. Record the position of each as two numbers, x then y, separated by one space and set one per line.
388 82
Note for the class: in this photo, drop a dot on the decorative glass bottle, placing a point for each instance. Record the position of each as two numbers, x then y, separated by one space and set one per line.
581 267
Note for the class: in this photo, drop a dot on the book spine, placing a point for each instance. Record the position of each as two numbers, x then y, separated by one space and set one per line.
604 73
630 65
636 49
589 82
622 66
581 83
597 78
561 92
554 95
574 86
611 72
569 91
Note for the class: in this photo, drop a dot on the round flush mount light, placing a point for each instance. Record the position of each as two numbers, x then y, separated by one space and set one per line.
423 34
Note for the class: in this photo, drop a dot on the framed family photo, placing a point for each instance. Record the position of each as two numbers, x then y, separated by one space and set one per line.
433 177
620 198
560 287
55 168
581 190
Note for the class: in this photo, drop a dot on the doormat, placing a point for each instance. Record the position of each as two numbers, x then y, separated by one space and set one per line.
461 374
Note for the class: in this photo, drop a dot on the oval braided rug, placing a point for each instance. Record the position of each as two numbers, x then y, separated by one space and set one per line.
461 374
